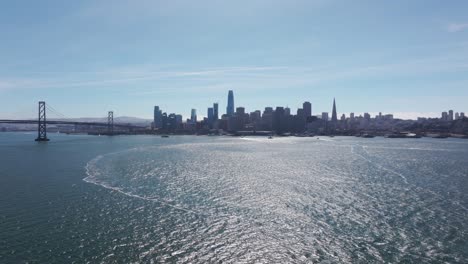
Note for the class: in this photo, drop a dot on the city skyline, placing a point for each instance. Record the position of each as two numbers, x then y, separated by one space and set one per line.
280 120
91 57
306 111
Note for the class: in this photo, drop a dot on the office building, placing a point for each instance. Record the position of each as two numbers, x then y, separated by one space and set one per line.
307 106
325 116
215 111
230 103
157 118
334 116
210 114
279 124
178 119
444 116
193 116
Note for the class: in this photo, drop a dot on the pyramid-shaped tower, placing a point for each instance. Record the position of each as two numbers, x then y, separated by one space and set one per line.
334 116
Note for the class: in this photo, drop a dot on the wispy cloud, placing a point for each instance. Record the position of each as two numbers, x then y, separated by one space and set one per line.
456 27
135 75
152 79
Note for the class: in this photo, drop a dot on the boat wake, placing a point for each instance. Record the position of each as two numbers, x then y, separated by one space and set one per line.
93 172
403 177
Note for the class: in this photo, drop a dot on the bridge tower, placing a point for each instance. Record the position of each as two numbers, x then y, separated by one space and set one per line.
110 122
41 123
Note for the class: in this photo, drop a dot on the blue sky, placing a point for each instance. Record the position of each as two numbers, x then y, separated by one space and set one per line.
87 57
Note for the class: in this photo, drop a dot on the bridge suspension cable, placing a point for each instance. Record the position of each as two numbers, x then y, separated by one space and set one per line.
56 112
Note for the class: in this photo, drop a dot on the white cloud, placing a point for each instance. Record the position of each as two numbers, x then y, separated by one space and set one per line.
456 27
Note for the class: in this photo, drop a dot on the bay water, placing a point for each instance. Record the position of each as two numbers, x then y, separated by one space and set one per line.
201 199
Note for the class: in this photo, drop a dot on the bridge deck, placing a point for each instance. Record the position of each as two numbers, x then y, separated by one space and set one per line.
59 122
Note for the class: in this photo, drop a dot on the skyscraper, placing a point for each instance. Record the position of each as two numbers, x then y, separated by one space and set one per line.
444 116
230 104
325 116
279 124
157 118
215 111
210 114
307 106
193 116
334 117
450 115
367 116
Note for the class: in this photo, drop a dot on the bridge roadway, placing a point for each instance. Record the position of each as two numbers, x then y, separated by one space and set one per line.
59 122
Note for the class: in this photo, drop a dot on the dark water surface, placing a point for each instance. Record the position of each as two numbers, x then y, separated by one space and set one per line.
146 199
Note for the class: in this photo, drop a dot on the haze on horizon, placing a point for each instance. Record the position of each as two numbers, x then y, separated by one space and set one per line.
409 58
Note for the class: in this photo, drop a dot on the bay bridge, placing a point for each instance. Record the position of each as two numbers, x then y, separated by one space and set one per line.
42 122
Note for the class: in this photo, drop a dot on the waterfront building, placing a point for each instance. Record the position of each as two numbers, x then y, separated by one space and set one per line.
351 116
241 118
279 124
230 103
267 118
450 115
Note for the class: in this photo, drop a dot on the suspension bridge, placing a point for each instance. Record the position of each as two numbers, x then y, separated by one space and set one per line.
42 122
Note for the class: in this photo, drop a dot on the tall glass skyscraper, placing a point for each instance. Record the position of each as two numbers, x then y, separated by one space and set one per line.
307 106
230 104
193 116
210 114
158 120
215 111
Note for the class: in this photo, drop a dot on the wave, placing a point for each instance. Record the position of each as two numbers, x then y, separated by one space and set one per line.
92 172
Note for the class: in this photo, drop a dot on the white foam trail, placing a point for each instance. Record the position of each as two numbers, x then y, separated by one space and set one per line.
325 139
412 148
403 177
378 165
91 178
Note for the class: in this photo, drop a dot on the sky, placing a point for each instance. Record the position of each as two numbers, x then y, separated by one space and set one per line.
85 58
